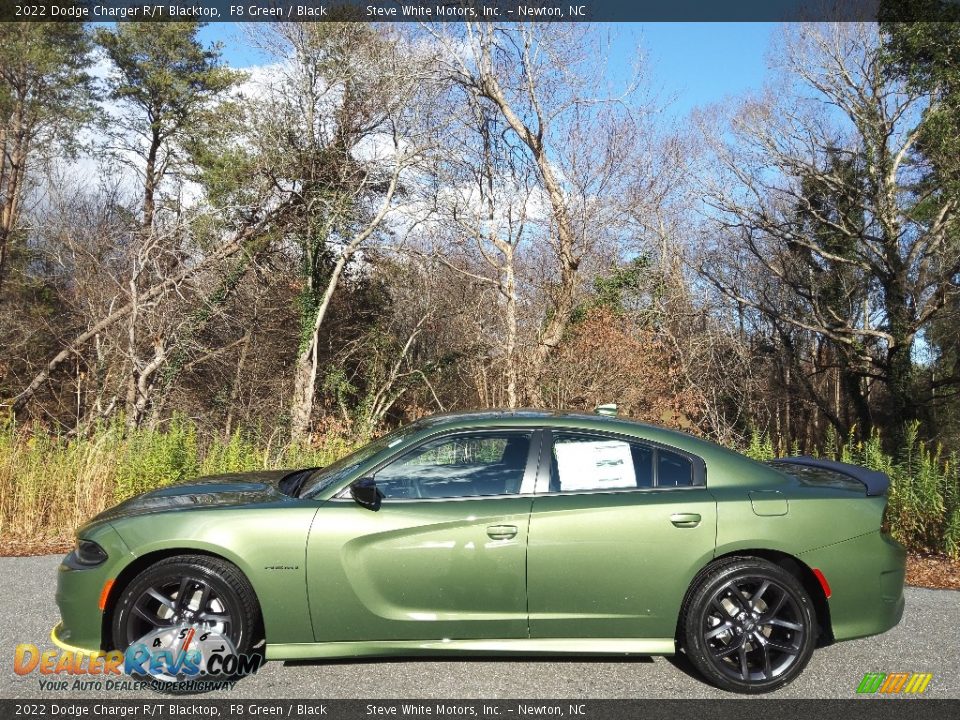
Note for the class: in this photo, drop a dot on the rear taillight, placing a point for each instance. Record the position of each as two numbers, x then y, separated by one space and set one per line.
821 578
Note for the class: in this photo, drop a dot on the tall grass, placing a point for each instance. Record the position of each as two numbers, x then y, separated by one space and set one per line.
924 496
51 484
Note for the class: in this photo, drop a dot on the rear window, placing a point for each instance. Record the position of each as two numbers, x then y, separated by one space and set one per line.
817 476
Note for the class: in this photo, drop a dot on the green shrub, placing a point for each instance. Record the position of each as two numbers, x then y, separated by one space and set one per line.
154 458
760 447
924 495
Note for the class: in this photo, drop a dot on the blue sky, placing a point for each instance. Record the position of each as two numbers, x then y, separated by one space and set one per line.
690 64
700 63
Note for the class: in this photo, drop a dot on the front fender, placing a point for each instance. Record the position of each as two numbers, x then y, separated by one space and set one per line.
268 545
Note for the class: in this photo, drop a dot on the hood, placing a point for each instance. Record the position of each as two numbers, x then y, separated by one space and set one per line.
215 491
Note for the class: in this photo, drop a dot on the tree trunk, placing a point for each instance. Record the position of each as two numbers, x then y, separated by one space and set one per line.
510 345
140 381
235 390
851 383
901 406
305 373
150 182
4 236
13 166
563 297
144 383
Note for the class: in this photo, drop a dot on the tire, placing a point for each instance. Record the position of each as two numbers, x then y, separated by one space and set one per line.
748 626
225 603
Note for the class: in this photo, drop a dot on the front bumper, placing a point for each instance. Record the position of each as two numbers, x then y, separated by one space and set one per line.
79 592
866 576
63 645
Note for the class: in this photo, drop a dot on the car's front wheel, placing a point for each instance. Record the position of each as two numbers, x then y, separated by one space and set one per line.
748 626
187 602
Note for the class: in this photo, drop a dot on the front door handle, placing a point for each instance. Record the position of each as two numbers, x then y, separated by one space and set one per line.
502 532
685 520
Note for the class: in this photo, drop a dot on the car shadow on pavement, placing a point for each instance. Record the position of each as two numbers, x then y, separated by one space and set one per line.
682 663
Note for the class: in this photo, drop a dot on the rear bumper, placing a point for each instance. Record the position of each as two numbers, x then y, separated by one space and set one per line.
866 576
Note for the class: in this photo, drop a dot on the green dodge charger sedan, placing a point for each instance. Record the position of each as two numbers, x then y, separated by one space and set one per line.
494 533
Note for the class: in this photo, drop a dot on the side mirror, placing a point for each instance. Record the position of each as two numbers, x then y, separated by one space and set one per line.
364 491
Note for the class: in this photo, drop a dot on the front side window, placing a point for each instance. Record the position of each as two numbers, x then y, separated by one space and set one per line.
585 463
467 465
330 475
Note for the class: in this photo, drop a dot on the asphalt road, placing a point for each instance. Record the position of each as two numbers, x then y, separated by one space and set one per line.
927 640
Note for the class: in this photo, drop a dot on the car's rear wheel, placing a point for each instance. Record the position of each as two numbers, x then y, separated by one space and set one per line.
207 596
748 626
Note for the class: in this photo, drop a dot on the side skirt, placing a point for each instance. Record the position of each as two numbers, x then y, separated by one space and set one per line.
524 646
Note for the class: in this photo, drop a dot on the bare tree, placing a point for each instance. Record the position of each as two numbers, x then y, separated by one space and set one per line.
166 88
231 245
481 196
343 121
819 223
567 149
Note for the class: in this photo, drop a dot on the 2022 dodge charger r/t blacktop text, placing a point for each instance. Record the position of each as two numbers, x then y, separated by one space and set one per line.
494 533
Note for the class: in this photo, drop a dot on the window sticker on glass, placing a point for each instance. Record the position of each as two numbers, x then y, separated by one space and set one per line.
596 465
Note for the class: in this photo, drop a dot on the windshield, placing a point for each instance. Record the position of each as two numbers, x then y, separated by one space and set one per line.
332 474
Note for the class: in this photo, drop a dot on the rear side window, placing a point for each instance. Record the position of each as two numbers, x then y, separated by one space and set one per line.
673 470
585 463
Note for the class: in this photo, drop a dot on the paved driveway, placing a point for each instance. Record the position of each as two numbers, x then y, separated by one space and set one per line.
927 640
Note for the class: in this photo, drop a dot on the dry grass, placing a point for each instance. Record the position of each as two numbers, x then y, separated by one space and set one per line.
50 485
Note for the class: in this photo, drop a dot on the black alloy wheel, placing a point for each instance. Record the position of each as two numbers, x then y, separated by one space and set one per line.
749 626
176 601
198 591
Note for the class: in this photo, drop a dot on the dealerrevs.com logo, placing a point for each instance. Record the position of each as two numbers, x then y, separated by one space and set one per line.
183 658
894 683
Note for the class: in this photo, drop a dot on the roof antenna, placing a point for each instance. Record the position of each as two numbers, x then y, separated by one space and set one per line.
608 410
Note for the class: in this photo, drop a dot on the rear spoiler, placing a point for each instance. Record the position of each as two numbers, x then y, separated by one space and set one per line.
875 481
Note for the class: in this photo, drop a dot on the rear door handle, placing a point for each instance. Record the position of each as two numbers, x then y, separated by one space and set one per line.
502 532
685 520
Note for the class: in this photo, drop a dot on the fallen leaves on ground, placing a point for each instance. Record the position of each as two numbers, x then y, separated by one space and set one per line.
933 571
20 547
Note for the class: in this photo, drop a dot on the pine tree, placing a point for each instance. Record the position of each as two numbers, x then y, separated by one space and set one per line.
45 95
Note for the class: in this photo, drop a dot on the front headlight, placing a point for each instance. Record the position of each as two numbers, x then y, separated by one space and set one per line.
88 553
